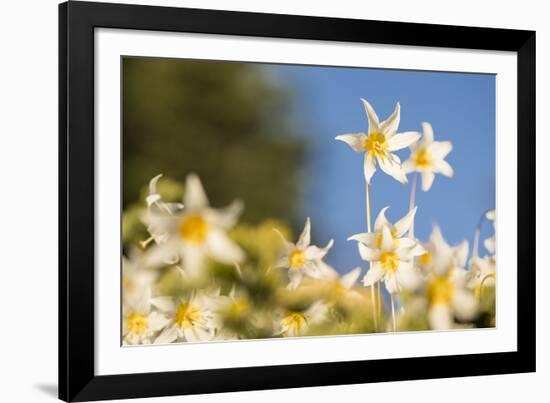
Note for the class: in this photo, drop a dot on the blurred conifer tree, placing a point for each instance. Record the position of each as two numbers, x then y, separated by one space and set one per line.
228 122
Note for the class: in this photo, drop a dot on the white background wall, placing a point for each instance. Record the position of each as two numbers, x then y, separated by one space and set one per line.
28 197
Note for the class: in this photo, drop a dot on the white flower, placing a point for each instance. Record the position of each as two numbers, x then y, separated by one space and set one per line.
190 318
482 272
490 242
380 142
391 255
446 282
427 157
440 257
296 323
135 277
192 232
140 323
302 259
449 297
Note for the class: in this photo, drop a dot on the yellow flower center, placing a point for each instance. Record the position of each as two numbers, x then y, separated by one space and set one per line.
389 261
425 259
441 291
294 322
423 159
297 258
194 229
137 323
375 144
187 315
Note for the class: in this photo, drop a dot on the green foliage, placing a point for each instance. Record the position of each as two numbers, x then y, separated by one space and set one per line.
227 122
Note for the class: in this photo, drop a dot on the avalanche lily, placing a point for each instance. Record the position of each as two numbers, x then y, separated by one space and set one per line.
296 323
427 157
391 259
191 318
378 144
303 259
140 323
193 232
446 282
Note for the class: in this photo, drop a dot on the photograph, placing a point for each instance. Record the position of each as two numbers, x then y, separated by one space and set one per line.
264 200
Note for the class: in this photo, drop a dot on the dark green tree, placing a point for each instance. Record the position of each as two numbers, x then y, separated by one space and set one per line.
229 122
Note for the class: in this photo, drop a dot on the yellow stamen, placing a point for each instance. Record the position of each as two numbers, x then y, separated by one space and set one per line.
375 144
194 229
389 261
297 258
423 159
294 322
187 315
137 323
425 259
441 291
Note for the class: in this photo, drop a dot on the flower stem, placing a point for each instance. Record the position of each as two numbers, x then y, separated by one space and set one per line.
378 286
394 322
373 304
412 202
369 229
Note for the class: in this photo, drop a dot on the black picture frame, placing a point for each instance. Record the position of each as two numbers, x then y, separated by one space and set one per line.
77 379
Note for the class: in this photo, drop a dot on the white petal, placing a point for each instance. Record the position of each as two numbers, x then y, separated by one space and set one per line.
406 243
381 220
408 166
168 335
316 313
153 196
440 149
374 123
157 321
282 262
427 180
164 304
305 236
491 215
367 238
313 252
295 278
461 254
391 283
442 167
465 305
489 244
193 258
222 249
369 167
403 225
428 133
402 140
393 169
194 197
226 217
387 244
408 277
325 270
349 279
390 125
356 141
367 253
440 317
374 274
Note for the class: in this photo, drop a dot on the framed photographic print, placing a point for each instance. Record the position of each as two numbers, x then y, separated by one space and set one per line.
257 201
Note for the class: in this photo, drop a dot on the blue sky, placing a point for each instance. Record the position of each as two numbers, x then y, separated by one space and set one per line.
460 107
